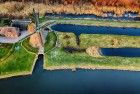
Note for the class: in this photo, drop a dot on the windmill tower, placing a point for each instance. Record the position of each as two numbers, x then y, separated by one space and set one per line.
36 39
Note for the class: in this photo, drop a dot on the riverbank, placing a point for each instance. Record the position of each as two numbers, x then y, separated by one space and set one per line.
95 22
59 58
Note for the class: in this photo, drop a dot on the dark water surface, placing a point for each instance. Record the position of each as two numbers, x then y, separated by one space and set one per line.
124 52
68 82
84 29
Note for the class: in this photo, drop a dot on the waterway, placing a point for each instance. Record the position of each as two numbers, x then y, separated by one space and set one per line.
128 16
68 82
84 29
80 81
123 52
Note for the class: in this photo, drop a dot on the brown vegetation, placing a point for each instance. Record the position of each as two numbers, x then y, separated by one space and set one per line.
10 32
98 7
93 51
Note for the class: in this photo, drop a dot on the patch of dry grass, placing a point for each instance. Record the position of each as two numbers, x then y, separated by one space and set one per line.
17 9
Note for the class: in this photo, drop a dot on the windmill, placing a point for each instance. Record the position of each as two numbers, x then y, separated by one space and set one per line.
36 20
39 26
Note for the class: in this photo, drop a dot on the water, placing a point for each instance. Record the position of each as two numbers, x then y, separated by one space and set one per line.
80 81
84 29
124 52
130 16
68 82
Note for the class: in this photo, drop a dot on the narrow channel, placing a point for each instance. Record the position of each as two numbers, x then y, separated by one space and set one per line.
84 29
39 64
123 52
128 16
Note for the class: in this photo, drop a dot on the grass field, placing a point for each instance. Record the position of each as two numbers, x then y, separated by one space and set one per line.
58 58
20 62
67 39
98 40
50 41
5 49
109 41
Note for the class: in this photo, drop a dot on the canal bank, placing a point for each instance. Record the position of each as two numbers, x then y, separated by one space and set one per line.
60 59
54 82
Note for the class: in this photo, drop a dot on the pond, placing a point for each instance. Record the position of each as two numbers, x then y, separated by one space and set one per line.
68 82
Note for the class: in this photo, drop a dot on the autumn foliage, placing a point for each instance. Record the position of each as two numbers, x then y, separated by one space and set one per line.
97 7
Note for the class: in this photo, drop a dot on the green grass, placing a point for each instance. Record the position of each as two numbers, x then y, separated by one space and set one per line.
109 41
28 47
58 58
50 41
67 39
5 50
18 62
99 40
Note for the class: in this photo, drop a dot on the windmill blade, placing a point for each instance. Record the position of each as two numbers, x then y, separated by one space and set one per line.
36 18
46 24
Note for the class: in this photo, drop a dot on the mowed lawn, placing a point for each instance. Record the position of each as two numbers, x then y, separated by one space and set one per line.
18 63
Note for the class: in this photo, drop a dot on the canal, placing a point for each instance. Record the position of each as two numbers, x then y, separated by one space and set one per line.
68 82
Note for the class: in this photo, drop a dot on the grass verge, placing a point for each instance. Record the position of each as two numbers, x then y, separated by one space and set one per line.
109 23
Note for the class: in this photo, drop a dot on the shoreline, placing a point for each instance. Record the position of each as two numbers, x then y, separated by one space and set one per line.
86 22
89 68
